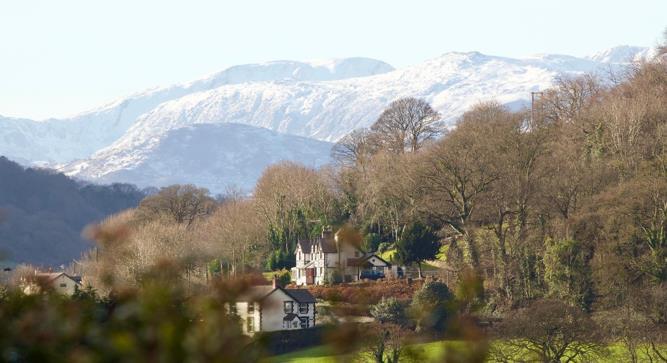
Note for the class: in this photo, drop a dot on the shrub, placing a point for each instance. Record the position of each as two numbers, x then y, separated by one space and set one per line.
431 305
333 277
284 277
568 272
157 321
356 298
389 310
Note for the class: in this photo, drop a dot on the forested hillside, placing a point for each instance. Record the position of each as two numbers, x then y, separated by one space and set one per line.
42 213
558 209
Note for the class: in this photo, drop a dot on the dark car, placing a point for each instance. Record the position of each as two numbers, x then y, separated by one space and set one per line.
371 275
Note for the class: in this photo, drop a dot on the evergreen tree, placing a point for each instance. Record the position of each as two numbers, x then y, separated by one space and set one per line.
419 243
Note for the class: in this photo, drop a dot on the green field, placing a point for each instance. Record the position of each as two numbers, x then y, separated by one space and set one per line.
424 352
322 354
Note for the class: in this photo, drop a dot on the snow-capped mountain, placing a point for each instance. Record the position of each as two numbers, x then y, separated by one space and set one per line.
215 156
154 136
623 54
59 141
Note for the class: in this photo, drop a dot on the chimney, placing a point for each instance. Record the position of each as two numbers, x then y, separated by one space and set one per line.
326 232
276 284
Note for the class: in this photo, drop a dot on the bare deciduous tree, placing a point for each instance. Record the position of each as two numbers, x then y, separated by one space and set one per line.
458 170
355 148
183 203
566 101
662 48
406 125
550 331
234 234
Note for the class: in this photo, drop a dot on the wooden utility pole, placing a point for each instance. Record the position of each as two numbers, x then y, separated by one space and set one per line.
533 97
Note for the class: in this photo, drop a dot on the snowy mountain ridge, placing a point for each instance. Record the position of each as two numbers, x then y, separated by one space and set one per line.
623 54
280 103
63 140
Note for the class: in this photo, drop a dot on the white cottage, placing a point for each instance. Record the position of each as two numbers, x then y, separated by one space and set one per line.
271 308
319 259
60 282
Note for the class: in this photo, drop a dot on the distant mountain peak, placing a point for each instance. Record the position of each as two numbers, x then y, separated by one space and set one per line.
319 99
622 54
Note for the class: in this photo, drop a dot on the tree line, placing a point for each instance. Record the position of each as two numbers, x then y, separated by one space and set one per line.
43 212
566 200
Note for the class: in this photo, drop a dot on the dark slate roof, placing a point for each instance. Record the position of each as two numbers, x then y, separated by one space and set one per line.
258 293
301 295
327 243
305 246
290 317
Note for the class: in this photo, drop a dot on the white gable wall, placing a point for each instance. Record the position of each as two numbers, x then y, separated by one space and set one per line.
273 311
64 285
243 312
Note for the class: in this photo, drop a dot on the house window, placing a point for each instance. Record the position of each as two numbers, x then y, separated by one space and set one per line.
251 308
295 324
303 308
251 324
304 322
356 253
63 285
288 307
232 309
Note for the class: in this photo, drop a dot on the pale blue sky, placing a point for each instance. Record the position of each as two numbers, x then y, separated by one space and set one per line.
62 57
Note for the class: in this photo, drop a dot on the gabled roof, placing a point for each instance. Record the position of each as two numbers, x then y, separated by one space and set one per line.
305 245
301 295
50 276
327 244
259 293
363 259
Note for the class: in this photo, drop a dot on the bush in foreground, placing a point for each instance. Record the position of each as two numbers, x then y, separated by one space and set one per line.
156 322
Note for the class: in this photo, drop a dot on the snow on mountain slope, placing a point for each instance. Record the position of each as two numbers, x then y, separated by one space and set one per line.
323 100
329 110
623 54
323 110
208 155
62 140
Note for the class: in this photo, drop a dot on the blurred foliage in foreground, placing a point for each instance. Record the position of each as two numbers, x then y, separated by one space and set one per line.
155 322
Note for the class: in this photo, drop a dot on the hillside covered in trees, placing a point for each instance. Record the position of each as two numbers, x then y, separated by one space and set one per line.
42 213
566 200
558 210
552 222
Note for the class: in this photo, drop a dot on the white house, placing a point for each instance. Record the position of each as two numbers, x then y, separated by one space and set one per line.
271 308
319 259
59 281
6 272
